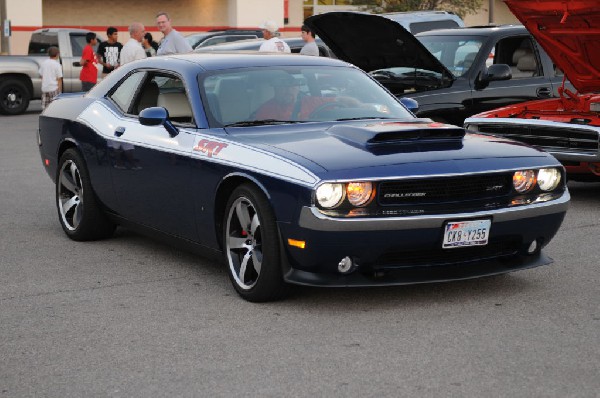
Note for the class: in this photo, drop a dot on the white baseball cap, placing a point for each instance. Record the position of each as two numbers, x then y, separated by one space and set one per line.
271 26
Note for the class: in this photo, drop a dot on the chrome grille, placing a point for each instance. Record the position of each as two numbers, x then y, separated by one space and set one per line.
547 137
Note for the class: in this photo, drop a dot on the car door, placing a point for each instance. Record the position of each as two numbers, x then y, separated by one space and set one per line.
528 82
150 168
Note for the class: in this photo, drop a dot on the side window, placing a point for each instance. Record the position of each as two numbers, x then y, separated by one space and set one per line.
77 44
171 95
123 95
557 70
519 54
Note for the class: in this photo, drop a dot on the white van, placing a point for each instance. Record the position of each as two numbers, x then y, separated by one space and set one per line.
422 21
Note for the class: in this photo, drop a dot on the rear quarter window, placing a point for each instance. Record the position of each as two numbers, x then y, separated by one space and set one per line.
41 42
418 27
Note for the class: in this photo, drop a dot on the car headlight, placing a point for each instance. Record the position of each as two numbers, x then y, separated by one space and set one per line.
548 179
330 195
524 181
359 193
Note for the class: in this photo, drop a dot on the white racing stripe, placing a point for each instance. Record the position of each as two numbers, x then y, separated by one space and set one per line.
190 143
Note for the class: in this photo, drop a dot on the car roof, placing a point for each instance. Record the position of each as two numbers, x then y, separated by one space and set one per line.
55 30
237 59
476 30
253 44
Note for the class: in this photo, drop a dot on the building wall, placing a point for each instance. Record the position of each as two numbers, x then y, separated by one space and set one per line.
24 16
501 15
186 13
188 16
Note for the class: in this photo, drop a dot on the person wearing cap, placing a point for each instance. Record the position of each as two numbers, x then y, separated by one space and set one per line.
272 42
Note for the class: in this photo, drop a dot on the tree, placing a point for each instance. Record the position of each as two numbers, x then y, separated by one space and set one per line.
460 7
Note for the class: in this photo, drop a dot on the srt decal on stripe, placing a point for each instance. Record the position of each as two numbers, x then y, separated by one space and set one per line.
210 148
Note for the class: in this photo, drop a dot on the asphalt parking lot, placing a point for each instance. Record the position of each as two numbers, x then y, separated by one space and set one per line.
131 317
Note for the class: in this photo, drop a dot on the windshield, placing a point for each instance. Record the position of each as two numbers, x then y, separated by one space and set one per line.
276 95
457 53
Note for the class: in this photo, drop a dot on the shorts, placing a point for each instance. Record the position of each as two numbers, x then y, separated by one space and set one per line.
47 97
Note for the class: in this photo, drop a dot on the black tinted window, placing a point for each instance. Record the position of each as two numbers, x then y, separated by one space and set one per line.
418 27
40 42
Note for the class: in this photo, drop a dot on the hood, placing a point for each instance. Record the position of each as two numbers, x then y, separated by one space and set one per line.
373 42
568 31
370 147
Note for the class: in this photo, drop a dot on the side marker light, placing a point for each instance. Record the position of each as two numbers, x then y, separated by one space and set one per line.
297 243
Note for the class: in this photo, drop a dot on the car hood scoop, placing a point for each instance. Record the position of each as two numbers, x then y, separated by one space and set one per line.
569 32
396 133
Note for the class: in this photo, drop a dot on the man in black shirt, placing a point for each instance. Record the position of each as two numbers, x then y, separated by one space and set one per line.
109 51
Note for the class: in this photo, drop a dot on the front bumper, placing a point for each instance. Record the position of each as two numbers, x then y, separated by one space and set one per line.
406 250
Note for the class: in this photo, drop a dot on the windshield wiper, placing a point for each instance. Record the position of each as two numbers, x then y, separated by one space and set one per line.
263 122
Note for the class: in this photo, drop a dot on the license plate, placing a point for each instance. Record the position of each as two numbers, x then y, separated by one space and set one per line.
466 233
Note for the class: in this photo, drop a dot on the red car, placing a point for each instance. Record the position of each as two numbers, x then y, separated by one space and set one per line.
569 126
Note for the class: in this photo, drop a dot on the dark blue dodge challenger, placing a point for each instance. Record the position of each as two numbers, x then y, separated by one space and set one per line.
295 169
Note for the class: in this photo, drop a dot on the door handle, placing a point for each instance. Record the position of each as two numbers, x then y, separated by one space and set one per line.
544 92
119 131
77 63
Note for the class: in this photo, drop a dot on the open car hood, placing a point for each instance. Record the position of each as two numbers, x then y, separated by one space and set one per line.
373 42
569 31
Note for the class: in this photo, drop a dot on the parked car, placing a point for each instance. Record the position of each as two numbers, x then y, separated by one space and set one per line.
222 36
449 71
20 81
295 43
347 188
423 21
569 126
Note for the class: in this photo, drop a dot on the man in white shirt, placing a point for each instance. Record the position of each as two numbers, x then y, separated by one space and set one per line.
52 76
272 42
173 42
133 50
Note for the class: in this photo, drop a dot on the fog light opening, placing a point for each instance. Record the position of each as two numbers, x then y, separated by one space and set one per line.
533 247
346 265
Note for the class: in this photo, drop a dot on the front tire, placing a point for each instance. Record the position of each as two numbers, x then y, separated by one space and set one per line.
251 246
78 211
14 97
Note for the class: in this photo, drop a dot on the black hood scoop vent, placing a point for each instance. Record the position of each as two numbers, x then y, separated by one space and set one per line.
395 133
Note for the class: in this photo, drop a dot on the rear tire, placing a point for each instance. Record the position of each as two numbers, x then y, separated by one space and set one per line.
251 246
78 211
14 97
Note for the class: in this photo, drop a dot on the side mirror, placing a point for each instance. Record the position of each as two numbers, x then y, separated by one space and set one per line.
411 104
157 116
494 73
